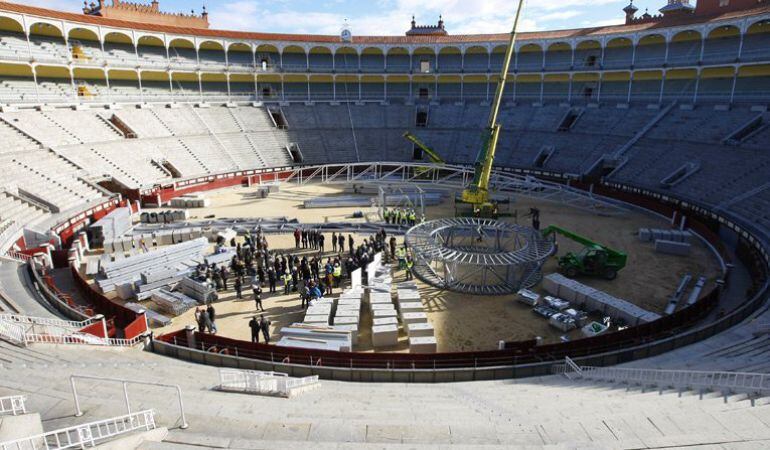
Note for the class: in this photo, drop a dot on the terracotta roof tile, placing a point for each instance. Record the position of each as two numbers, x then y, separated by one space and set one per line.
392 40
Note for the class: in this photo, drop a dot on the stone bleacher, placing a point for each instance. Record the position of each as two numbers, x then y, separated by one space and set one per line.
188 141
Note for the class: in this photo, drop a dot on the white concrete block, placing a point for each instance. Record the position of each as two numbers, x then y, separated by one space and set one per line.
384 336
418 317
425 344
411 307
420 330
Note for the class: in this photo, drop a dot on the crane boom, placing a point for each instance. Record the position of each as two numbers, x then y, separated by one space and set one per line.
478 192
432 154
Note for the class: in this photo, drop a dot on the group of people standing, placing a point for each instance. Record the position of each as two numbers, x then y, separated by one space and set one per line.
400 216
304 273
206 319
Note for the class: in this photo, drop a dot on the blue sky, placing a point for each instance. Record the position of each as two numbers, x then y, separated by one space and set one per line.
375 17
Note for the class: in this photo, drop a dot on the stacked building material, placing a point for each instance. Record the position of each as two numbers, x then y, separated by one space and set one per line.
421 333
125 274
347 313
670 242
201 291
384 314
190 201
115 224
592 299
174 303
316 337
178 215
673 248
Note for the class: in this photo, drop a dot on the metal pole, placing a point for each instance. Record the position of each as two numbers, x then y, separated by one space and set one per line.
184 425
78 412
125 395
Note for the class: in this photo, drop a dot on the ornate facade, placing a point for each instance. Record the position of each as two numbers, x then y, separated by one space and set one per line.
139 12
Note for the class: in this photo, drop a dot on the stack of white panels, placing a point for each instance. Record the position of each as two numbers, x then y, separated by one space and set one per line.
421 333
384 314
592 299
201 291
316 336
319 312
347 313
127 272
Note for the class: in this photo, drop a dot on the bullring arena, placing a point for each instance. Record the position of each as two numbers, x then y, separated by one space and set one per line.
587 270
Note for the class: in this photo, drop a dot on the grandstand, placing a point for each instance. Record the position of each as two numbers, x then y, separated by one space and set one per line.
664 118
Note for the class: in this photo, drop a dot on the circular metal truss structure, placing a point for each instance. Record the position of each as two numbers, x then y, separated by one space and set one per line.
478 256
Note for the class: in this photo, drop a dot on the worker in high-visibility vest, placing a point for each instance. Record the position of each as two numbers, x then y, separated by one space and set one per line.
412 218
337 274
409 265
286 283
386 215
401 255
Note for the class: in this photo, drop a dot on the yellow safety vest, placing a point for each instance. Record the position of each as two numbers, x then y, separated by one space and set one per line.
337 271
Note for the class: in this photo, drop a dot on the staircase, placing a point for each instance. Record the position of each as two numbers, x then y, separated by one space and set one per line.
751 385
540 412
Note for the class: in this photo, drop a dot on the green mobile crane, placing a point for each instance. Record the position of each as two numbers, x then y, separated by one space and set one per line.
594 260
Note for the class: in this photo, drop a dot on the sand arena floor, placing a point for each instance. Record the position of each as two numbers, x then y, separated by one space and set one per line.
462 322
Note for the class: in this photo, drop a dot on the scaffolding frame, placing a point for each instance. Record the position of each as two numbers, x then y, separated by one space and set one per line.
449 177
478 256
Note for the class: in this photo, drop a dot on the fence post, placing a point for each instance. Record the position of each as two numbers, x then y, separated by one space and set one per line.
78 412
101 318
190 333
184 425
125 395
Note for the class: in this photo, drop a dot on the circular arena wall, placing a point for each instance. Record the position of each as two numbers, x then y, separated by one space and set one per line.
519 359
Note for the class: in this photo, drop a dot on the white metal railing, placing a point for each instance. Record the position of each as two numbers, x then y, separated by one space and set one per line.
17 256
23 330
125 383
46 321
728 382
13 333
85 435
265 383
13 405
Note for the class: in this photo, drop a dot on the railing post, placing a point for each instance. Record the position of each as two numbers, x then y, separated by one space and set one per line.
78 412
125 395
184 425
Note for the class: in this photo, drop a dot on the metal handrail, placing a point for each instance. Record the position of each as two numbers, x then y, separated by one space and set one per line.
24 330
743 382
14 318
12 405
125 383
264 383
13 333
85 435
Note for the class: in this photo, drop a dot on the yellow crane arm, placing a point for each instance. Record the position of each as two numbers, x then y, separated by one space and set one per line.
478 192
432 154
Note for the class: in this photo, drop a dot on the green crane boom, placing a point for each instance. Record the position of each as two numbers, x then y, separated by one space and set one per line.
432 154
478 192
595 259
